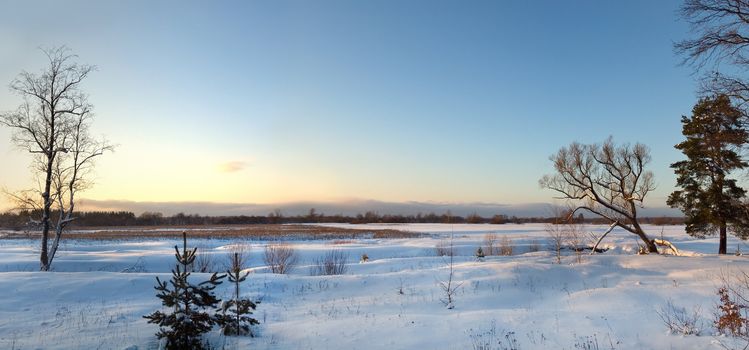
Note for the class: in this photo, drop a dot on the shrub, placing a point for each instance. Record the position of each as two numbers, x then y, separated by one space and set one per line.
534 246
490 242
333 263
576 238
237 256
443 248
400 286
729 319
505 246
493 339
203 261
280 258
557 237
588 342
679 321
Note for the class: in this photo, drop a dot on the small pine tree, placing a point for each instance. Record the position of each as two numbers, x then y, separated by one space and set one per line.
235 319
184 327
480 253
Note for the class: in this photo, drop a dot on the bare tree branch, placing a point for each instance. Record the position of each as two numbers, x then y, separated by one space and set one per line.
721 35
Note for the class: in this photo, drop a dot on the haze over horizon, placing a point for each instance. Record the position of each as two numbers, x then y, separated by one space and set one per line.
349 207
411 104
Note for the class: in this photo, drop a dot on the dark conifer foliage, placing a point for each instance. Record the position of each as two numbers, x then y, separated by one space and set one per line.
710 199
480 253
236 319
188 320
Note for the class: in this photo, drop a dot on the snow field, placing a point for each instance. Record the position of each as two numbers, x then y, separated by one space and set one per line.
393 301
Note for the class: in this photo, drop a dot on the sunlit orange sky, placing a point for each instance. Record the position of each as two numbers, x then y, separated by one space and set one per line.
326 101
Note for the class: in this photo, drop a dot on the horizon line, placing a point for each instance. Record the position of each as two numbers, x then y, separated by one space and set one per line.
346 207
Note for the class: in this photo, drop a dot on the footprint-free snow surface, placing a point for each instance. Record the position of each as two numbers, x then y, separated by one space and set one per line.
99 290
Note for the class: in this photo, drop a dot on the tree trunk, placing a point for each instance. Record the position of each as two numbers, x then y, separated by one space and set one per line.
47 196
43 263
723 239
43 258
652 248
649 243
55 243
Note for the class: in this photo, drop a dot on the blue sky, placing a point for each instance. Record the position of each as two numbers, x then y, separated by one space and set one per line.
279 101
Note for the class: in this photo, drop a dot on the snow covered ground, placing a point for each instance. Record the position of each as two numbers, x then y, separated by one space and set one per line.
100 289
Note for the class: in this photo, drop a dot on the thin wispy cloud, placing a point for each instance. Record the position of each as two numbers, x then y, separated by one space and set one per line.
233 166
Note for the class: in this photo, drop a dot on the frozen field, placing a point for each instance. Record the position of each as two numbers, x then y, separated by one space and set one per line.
100 289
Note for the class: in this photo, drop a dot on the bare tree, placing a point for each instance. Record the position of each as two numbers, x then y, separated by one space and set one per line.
448 285
606 179
556 234
557 231
575 237
505 246
52 124
721 29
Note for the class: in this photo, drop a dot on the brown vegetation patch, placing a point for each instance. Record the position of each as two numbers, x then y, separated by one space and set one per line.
260 232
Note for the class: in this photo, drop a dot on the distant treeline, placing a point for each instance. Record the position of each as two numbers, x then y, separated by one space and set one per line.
125 218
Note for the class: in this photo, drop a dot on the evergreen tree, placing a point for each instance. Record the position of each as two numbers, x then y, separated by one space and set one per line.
235 319
189 320
480 254
710 199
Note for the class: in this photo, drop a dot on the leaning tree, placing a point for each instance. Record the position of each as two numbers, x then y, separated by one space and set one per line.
607 180
52 124
708 196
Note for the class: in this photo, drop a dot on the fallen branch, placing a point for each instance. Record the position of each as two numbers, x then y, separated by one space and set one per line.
595 247
665 243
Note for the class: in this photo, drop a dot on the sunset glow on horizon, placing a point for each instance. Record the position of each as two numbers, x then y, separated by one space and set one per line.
289 101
